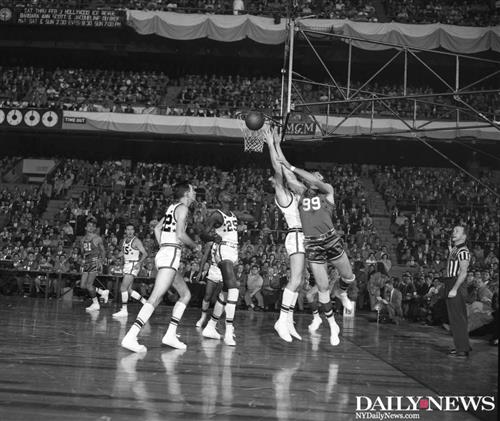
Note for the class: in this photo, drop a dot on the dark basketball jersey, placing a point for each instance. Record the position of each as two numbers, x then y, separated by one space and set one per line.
315 214
89 248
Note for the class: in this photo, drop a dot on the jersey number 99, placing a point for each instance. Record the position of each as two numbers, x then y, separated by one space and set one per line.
308 204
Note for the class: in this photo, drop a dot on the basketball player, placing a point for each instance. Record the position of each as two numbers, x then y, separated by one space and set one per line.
134 255
226 227
288 202
171 235
322 243
93 252
214 278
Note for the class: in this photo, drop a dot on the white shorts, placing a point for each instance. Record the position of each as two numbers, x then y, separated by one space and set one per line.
214 274
168 257
226 251
131 268
294 242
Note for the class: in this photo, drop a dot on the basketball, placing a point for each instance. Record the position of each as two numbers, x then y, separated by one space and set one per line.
254 120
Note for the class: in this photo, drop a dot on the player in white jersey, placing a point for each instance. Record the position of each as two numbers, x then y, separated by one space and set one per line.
226 227
134 255
214 278
287 201
171 235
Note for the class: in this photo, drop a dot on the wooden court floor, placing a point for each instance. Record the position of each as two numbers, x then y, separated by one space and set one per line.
59 363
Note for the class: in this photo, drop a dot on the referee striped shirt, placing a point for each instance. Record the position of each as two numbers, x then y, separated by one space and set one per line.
457 254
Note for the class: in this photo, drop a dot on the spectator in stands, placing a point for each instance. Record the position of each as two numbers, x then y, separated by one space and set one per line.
254 287
238 7
391 304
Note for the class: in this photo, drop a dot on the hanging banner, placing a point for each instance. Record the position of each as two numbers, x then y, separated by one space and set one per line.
34 118
63 17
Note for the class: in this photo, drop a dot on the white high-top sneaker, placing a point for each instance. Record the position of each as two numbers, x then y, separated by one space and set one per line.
122 313
315 324
342 295
210 331
229 335
93 307
130 342
281 327
334 332
200 322
291 327
170 339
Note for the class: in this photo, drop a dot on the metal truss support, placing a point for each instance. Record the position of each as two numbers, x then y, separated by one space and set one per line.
356 97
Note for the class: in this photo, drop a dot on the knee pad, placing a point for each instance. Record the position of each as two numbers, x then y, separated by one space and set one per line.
324 297
326 307
221 298
344 283
232 295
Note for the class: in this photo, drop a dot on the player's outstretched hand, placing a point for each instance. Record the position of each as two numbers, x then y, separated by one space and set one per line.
284 163
268 135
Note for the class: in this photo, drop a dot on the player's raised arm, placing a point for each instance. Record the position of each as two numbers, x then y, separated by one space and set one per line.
313 180
278 169
181 213
282 194
295 185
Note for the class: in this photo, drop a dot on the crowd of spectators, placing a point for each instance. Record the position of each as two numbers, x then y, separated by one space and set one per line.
451 12
82 89
206 95
426 203
357 10
403 186
117 193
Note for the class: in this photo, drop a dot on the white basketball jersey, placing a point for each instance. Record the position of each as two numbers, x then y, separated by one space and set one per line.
168 230
291 212
130 254
228 231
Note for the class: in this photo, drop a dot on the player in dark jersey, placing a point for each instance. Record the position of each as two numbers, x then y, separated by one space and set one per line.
93 252
322 243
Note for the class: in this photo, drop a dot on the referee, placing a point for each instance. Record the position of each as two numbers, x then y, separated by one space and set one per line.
455 290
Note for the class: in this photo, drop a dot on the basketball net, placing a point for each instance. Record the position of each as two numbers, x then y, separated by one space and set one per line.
253 139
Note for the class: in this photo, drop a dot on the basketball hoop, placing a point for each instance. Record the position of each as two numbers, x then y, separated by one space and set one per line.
253 139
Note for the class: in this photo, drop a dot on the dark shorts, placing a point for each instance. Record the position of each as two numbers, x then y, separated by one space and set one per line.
322 250
90 266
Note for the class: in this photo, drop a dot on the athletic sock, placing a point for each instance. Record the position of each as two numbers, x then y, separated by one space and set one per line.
177 313
124 299
325 302
344 283
286 302
232 300
142 318
292 306
218 308
136 296
204 306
